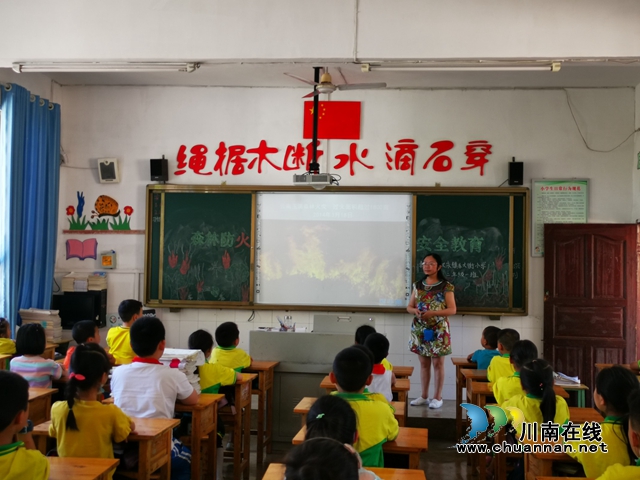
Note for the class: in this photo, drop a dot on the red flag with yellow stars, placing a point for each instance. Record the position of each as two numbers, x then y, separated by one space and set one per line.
336 120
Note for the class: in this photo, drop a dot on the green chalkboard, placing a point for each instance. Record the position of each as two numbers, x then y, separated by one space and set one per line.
482 241
199 250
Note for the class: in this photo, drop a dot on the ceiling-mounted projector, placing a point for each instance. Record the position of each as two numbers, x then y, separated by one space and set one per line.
314 180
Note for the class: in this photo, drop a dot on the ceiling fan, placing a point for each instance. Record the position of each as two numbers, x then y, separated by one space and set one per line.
326 85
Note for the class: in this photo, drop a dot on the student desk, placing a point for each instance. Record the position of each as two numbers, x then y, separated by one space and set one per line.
478 392
402 386
154 437
50 351
305 404
581 415
80 468
265 371
276 472
402 372
460 363
410 442
204 423
241 422
580 389
40 404
4 361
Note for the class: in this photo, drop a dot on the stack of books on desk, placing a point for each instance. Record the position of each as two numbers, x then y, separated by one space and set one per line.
49 319
186 361
97 281
75 282
563 380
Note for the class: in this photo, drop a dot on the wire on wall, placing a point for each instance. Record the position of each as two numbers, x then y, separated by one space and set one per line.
566 93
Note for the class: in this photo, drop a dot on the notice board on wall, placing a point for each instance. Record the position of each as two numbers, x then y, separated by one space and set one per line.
339 249
557 201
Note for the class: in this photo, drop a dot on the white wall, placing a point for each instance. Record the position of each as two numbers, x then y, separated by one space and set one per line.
300 29
37 84
139 123
635 164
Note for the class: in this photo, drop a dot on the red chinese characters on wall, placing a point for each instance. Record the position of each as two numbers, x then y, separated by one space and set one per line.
401 156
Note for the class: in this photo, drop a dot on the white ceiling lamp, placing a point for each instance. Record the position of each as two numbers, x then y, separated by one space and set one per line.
50 67
442 67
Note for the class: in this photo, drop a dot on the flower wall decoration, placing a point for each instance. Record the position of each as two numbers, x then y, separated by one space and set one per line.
106 215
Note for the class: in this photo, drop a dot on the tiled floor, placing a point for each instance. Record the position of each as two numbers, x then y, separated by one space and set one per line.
440 462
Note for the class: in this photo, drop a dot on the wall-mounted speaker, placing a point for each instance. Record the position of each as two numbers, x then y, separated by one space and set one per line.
108 170
516 173
159 168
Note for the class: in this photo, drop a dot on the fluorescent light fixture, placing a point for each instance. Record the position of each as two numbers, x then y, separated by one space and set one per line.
42 67
434 67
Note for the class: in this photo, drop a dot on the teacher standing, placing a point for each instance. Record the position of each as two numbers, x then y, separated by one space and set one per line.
432 301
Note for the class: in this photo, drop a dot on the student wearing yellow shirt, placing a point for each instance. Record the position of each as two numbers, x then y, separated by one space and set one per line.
83 426
505 388
119 338
612 389
500 366
7 346
227 352
376 423
629 472
362 332
18 462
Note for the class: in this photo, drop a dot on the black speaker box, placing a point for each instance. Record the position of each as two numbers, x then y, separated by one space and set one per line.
159 169
516 173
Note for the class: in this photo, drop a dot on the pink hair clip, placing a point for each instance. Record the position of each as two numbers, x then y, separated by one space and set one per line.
77 376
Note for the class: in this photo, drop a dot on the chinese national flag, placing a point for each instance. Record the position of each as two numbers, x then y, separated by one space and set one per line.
336 120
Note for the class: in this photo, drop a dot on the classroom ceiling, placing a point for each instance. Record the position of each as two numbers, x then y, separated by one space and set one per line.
572 75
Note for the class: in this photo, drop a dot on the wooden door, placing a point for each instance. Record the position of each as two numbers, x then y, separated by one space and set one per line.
591 289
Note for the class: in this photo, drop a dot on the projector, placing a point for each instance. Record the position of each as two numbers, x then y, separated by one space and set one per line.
320 179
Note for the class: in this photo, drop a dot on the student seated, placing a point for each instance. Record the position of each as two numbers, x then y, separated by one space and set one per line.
489 342
383 379
84 331
332 417
118 338
84 427
500 366
376 423
16 461
622 471
30 345
362 332
613 387
505 388
226 353
7 346
147 389
321 458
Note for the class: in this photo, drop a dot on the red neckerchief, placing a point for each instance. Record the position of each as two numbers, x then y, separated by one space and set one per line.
153 361
378 369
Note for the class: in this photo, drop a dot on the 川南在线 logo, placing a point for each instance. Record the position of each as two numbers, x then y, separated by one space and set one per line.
479 420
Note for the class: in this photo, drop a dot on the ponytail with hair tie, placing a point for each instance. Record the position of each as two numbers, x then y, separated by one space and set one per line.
537 380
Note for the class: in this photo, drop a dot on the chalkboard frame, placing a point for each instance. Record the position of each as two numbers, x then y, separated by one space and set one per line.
415 191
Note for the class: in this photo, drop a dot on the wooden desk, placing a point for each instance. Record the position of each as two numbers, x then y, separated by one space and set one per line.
410 442
602 366
470 375
50 351
265 371
581 415
154 437
478 392
241 422
402 372
204 423
276 472
402 386
581 389
40 404
541 464
81 468
305 404
4 361
460 363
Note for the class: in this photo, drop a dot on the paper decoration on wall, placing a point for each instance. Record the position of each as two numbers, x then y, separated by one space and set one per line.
106 215
82 249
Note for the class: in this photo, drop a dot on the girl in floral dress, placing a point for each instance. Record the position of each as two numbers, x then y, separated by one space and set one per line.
432 301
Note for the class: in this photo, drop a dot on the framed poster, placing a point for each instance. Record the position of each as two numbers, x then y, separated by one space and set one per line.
556 201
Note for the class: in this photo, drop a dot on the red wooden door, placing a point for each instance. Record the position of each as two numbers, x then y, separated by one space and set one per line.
591 289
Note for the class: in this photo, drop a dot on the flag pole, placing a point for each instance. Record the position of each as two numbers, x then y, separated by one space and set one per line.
314 166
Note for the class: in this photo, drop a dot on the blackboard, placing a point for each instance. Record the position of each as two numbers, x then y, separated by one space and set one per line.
199 248
481 239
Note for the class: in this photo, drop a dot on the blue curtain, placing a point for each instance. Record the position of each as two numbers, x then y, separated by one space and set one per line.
29 182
